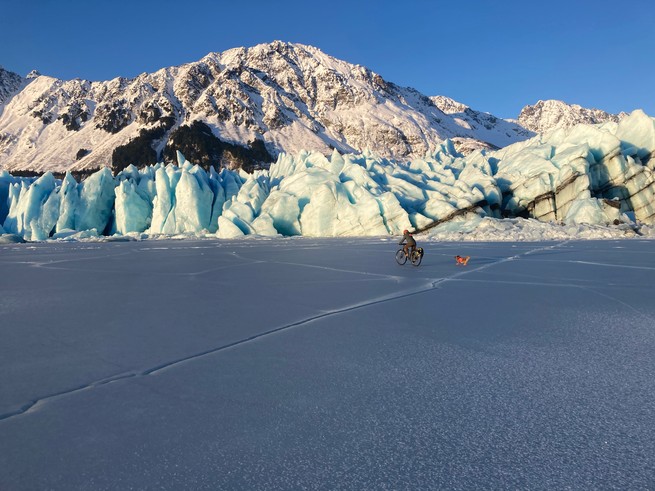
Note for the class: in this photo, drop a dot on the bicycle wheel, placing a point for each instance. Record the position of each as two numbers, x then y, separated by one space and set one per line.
401 258
416 258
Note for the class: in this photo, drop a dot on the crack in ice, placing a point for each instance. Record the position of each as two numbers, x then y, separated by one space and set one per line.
431 286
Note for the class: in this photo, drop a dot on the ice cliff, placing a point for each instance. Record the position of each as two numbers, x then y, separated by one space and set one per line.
599 174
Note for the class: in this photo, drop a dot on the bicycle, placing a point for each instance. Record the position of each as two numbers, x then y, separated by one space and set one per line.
415 257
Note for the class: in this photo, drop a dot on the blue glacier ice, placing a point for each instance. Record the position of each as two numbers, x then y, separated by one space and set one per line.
69 198
96 201
133 210
588 174
33 208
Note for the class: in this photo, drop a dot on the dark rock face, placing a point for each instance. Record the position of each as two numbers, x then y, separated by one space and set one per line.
198 144
76 114
140 151
82 152
10 82
113 117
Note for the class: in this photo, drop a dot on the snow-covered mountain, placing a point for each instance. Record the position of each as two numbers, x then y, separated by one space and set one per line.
243 107
487 127
237 107
552 114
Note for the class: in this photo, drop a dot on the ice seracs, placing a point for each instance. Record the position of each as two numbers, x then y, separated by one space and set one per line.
589 174
34 208
610 162
96 202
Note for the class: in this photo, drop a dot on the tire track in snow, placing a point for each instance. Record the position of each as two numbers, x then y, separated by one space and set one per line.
625 266
34 404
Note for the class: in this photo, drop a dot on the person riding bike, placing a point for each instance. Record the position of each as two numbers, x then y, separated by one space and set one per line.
410 242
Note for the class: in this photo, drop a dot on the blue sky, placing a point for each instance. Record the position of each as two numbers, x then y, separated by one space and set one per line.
493 56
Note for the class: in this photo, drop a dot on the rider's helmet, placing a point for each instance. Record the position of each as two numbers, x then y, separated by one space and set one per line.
405 232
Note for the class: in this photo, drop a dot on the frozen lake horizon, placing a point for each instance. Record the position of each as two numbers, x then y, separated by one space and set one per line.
321 364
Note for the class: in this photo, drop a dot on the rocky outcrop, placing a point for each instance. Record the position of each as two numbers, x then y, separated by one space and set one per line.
10 82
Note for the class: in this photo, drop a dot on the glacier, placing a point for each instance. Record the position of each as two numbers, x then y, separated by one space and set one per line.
588 174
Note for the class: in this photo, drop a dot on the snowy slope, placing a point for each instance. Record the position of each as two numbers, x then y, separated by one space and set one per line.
493 131
549 115
290 96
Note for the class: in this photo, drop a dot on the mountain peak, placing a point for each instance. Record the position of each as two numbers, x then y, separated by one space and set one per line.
448 105
546 115
228 107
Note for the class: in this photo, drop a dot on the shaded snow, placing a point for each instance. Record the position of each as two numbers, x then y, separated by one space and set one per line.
322 364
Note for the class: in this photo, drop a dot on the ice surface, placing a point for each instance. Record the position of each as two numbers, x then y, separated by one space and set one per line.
566 176
193 201
637 134
96 202
227 229
6 180
33 209
6 238
321 364
586 211
284 210
133 210
69 198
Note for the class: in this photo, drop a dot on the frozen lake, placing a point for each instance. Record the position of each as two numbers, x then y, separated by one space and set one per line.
322 364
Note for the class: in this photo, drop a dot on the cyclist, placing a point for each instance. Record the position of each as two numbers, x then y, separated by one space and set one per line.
410 242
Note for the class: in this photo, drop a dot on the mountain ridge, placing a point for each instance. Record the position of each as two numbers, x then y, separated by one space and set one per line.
241 107
552 114
10 82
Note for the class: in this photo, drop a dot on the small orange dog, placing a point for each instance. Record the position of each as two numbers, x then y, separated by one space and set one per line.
462 260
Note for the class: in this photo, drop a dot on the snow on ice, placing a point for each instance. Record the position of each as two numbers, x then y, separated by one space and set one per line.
588 175
319 363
